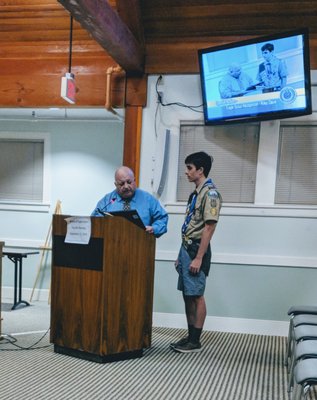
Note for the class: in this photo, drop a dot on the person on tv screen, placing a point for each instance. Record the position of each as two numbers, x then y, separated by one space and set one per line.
235 83
193 262
127 196
272 73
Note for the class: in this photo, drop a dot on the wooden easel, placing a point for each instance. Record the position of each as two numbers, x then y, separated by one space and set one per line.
44 249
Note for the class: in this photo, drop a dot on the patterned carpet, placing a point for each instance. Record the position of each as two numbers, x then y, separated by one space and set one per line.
231 366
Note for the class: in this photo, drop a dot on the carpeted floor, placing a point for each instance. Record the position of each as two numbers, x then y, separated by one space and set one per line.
230 366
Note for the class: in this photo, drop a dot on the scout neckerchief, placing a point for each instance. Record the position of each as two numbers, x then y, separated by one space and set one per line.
191 205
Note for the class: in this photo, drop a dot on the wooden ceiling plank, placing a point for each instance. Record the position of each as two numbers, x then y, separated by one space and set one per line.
184 12
147 5
34 24
48 35
41 49
255 26
166 58
23 14
27 5
13 3
109 31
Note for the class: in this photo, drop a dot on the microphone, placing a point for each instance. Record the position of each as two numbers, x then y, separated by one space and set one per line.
101 211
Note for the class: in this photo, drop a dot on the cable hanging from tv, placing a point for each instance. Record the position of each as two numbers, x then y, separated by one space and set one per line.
176 103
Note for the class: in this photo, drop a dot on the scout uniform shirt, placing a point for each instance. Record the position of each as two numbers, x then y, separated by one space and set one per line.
207 208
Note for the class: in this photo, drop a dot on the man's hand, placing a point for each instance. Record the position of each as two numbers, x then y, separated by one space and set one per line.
195 265
206 236
149 229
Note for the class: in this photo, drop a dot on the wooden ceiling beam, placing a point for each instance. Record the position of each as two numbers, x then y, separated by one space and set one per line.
108 29
130 13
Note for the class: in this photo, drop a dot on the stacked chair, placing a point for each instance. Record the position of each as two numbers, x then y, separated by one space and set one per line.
301 350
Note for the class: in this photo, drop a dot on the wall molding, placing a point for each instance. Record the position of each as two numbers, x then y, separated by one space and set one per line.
38 295
217 258
225 324
248 259
23 243
169 320
27 207
253 210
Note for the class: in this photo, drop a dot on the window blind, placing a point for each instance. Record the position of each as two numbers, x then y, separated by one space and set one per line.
234 149
296 181
21 170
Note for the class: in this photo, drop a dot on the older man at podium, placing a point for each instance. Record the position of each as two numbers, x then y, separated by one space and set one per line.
127 196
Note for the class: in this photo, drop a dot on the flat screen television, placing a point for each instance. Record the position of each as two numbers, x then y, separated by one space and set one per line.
264 78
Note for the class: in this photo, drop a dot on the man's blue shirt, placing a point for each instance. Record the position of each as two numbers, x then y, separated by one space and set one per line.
148 207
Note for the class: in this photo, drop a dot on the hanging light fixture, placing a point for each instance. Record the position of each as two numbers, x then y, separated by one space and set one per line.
68 87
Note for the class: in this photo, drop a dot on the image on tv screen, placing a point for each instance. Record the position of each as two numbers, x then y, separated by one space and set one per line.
264 78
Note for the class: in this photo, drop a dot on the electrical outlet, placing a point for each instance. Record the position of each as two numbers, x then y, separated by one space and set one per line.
160 80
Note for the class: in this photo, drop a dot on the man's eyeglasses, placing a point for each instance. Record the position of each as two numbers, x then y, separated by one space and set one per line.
128 182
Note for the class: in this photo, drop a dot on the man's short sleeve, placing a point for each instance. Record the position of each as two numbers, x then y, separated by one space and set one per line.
212 205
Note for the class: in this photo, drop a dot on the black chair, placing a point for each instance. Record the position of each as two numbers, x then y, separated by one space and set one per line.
302 351
293 312
305 376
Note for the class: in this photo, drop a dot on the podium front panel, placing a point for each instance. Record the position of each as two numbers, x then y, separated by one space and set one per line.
106 310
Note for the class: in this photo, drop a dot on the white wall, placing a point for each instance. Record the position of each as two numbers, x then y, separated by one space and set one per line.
264 257
260 252
83 155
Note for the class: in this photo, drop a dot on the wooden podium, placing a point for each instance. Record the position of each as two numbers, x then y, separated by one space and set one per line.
102 292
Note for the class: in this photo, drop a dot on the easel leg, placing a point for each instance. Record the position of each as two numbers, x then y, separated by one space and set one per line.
45 248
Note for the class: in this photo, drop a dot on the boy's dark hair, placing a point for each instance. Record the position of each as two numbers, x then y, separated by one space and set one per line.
200 160
268 46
